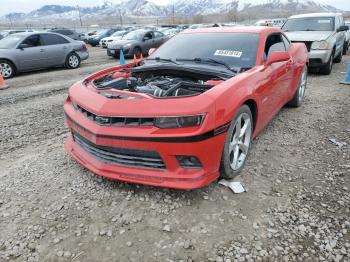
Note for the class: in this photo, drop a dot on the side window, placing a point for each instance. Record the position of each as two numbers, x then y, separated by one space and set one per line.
286 42
148 36
273 43
336 22
51 39
32 41
69 32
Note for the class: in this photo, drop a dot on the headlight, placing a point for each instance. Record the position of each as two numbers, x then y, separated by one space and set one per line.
179 121
320 45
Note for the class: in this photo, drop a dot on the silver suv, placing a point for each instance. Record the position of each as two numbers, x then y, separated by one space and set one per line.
323 35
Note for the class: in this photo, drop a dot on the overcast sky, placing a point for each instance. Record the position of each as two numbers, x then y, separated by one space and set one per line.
8 6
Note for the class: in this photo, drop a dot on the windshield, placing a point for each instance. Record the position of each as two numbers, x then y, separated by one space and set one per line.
134 35
309 24
234 49
102 32
10 42
119 33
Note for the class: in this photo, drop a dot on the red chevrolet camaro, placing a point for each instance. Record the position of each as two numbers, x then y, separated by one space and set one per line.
187 114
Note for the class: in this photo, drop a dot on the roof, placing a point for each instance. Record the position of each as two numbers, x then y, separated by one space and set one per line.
237 29
314 15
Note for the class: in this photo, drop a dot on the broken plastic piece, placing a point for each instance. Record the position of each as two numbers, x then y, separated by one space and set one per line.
236 187
339 144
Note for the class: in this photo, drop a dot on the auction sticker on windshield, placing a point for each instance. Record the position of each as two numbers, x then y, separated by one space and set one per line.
324 21
230 53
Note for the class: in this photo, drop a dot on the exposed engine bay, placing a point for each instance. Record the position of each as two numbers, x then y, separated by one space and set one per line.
157 84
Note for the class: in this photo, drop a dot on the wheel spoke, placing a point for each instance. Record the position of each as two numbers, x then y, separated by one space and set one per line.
238 127
244 128
244 148
235 158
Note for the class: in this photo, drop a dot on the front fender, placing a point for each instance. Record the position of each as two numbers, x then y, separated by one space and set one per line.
231 94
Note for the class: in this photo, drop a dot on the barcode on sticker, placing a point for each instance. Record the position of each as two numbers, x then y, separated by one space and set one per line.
230 53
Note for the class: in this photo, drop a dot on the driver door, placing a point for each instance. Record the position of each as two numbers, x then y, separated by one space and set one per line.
30 53
148 42
272 91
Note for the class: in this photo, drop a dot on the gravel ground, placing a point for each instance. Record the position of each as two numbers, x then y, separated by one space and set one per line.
296 208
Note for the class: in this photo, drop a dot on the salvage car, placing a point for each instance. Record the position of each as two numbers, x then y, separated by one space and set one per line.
32 51
324 36
136 42
184 117
70 33
115 36
94 40
347 37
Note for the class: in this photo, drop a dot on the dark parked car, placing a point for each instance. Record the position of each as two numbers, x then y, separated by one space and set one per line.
137 42
95 39
70 33
32 51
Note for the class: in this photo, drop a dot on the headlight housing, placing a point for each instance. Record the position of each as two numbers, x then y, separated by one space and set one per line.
179 121
320 45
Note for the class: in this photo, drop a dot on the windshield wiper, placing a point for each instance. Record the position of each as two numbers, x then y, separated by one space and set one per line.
209 60
163 59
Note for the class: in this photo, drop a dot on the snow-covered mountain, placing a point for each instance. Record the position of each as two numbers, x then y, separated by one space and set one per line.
145 8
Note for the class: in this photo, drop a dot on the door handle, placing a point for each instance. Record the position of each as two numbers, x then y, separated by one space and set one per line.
64 47
42 50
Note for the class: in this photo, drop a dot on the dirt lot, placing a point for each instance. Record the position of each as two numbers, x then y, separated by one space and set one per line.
297 207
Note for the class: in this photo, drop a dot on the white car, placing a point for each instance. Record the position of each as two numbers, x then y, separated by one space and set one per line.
347 40
116 36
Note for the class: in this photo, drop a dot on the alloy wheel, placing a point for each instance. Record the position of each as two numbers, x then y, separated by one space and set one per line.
73 61
5 70
240 141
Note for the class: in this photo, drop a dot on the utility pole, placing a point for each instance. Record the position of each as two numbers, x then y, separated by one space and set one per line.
10 18
81 22
120 17
173 14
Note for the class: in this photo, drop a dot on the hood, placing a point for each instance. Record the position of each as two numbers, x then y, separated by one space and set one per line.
309 35
112 38
122 42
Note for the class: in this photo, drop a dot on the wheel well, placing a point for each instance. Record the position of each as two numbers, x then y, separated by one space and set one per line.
8 60
253 108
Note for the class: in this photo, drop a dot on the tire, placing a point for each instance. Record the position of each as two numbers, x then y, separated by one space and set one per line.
137 51
339 57
300 92
72 61
345 48
7 69
327 69
237 144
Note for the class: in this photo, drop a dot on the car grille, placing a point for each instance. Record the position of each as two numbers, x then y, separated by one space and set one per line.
307 43
116 121
121 156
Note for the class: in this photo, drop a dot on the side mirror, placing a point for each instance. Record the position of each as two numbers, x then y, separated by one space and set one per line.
22 46
151 51
343 28
145 38
277 56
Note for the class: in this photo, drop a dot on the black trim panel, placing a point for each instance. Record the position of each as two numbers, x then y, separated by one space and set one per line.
185 139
